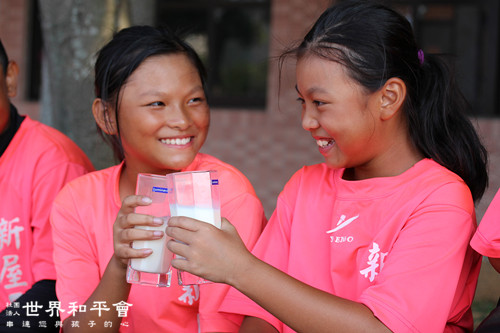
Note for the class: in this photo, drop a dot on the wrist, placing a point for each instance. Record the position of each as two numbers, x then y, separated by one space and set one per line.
119 264
243 271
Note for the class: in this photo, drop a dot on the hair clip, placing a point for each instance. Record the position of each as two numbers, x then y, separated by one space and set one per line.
421 56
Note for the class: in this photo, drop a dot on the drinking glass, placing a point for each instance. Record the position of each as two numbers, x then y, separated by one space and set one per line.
194 194
155 268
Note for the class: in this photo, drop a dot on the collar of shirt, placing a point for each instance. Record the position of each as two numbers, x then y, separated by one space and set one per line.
14 124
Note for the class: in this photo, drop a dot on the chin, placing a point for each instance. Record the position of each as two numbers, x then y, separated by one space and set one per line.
179 165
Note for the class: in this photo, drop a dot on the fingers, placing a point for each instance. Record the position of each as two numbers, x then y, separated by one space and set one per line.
124 253
132 220
187 258
124 238
187 223
130 227
127 218
133 201
207 251
179 248
136 234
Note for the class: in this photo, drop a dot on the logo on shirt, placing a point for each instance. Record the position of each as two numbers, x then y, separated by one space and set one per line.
342 223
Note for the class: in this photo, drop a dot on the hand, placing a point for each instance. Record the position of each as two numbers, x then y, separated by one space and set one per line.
124 232
214 254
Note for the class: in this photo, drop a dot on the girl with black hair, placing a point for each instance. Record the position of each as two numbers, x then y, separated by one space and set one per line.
151 105
376 239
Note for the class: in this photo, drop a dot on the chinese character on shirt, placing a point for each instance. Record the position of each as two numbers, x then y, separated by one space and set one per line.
373 261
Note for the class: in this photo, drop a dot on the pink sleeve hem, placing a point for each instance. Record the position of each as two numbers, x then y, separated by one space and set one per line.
218 325
249 309
481 245
390 318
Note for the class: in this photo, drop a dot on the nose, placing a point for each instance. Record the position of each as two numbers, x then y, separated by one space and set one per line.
309 119
178 117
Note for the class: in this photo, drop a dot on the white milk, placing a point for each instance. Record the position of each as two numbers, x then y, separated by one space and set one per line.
205 214
158 261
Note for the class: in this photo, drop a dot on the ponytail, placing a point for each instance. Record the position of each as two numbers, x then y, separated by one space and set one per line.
440 128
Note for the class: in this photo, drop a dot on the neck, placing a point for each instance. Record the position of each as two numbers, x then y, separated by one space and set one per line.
127 183
4 118
397 158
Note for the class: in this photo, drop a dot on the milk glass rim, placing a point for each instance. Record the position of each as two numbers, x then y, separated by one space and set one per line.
194 171
152 175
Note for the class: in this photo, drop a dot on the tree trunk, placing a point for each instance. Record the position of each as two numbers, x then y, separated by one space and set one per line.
73 31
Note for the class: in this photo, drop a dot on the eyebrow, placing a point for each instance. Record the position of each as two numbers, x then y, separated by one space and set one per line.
153 92
312 90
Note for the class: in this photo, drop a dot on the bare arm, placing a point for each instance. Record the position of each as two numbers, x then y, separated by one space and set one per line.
307 308
256 325
113 287
220 256
495 262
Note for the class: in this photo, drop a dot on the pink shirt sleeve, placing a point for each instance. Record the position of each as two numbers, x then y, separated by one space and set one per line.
74 254
486 240
49 179
431 248
246 213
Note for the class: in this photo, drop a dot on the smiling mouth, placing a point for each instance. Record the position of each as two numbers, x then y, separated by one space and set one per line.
322 143
177 141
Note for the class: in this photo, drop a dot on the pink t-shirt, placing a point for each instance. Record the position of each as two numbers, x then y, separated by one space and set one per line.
399 245
486 240
83 218
35 166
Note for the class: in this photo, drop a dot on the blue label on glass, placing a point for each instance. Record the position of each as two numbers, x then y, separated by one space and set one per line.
160 189
215 182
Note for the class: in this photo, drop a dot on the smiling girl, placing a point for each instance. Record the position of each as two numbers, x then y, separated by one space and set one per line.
376 238
151 106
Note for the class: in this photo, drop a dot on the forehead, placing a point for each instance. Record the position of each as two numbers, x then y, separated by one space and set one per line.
318 73
159 64
172 74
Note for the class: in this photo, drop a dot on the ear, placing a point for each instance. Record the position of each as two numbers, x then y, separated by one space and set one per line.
103 117
392 96
11 78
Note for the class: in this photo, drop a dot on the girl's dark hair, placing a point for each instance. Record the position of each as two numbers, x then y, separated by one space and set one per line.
375 43
121 56
4 60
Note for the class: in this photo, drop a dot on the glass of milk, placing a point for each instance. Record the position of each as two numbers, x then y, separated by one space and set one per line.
155 268
194 194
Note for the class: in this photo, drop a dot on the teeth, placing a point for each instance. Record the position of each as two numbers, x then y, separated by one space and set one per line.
176 141
323 143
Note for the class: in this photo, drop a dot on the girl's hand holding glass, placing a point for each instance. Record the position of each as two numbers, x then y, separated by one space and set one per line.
124 232
211 253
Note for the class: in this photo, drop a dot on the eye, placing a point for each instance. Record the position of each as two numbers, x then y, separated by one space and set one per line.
157 103
318 103
196 100
300 100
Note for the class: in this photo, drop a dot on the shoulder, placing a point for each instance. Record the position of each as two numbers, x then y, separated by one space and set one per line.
437 185
307 183
89 186
229 176
311 176
45 140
